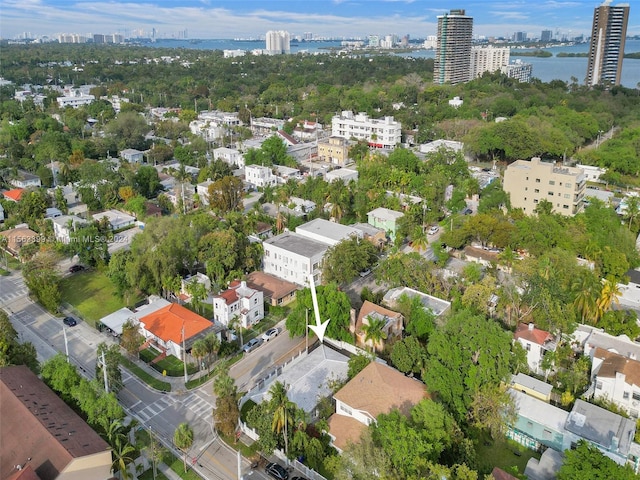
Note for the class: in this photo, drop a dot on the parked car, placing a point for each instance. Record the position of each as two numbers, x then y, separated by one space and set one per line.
433 230
75 268
467 211
277 471
252 344
298 478
69 321
364 273
271 333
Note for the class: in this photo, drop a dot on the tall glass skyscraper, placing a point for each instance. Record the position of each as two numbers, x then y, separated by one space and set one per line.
607 43
453 50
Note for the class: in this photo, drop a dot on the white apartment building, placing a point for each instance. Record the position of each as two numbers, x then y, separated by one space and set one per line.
239 301
229 155
292 257
277 42
529 182
329 233
75 100
259 176
616 379
519 70
379 133
488 59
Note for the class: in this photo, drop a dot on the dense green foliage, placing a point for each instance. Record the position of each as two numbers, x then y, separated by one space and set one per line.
586 461
12 351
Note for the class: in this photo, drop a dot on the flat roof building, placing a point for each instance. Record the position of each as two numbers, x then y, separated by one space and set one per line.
530 182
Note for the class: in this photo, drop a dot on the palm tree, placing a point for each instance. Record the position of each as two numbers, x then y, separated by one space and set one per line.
374 331
121 449
213 346
584 301
633 209
507 256
282 415
419 238
183 439
609 295
199 350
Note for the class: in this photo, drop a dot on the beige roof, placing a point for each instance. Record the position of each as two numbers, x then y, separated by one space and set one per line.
345 430
19 237
380 389
613 363
270 286
368 308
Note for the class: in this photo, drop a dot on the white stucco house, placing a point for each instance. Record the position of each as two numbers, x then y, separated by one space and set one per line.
535 342
132 155
292 257
229 155
240 301
259 176
64 225
329 233
116 218
617 379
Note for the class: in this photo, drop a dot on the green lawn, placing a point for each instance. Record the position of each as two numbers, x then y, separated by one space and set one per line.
501 454
92 294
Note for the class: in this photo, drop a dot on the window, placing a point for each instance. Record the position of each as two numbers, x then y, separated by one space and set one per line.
625 395
527 347
567 195
536 190
567 185
636 396
537 180
345 409
599 385
551 194
529 424
565 206
552 182
546 434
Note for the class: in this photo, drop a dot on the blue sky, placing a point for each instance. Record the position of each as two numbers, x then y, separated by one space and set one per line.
338 18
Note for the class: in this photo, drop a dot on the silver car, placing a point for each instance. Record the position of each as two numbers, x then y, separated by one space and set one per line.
252 344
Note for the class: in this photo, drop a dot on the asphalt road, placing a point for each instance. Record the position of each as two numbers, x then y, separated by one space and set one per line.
159 412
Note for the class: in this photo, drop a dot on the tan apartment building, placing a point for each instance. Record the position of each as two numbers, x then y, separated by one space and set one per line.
334 150
529 182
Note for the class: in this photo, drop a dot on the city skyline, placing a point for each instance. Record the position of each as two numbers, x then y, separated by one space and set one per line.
337 18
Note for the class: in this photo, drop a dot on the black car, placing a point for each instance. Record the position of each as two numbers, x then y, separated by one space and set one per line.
69 321
76 268
277 471
298 478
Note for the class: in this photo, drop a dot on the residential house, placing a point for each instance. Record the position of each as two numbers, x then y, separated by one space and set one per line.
334 150
182 194
241 301
308 130
616 379
436 145
259 176
202 189
486 258
302 152
1 213
436 305
287 139
386 219
64 225
18 237
52 212
284 174
300 205
536 342
117 219
230 156
26 180
531 386
529 182
132 155
114 321
265 125
173 326
344 175
42 437
197 277
586 338
293 257
392 324
13 195
539 425
329 233
377 389
276 292
375 235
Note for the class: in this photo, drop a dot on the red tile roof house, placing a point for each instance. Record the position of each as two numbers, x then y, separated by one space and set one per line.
535 342
393 323
377 389
41 437
173 325
13 195
241 301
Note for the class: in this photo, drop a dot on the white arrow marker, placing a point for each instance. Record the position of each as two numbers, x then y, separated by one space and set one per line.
319 328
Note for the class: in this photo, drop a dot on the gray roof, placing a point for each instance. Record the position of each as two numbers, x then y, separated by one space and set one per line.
436 305
298 244
367 229
332 230
546 468
386 214
538 411
531 383
621 345
601 426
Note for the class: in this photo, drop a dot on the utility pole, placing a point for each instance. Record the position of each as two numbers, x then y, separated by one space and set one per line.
104 373
239 466
306 331
66 344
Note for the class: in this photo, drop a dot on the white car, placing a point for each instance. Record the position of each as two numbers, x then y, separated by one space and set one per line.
433 230
271 333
